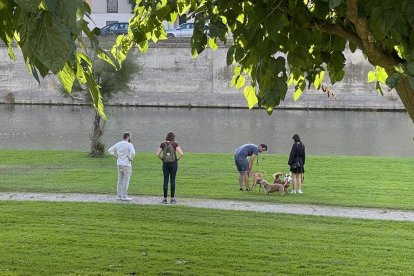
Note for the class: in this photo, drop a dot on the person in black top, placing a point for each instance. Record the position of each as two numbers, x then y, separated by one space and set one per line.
170 168
297 163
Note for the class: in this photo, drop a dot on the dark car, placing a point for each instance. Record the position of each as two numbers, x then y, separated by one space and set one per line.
115 28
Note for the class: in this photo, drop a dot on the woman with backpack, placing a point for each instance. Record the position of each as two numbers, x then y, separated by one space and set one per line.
169 152
296 163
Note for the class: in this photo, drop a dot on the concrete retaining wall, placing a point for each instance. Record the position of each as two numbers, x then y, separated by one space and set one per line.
171 77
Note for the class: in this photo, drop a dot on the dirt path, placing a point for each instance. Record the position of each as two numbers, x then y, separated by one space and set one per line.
302 209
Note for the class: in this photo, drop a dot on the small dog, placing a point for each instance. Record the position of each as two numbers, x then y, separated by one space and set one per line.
285 182
270 188
256 175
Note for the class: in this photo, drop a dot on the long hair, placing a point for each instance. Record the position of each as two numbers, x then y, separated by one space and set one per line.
297 140
170 136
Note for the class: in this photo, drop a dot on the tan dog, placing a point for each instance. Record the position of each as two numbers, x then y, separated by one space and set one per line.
269 188
256 175
285 182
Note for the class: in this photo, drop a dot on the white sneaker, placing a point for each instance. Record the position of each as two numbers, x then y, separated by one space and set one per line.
119 197
126 198
300 192
293 192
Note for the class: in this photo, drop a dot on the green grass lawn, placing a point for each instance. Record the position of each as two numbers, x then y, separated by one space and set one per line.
332 180
40 238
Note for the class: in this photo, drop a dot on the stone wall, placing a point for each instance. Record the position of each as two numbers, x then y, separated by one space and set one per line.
171 77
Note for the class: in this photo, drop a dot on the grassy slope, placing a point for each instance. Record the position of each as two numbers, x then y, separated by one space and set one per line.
333 180
118 239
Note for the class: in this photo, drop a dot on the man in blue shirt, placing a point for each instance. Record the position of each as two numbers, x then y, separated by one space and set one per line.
244 157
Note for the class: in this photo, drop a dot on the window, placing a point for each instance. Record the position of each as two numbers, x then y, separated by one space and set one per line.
112 6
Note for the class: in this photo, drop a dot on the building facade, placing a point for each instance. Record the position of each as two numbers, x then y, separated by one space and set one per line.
104 12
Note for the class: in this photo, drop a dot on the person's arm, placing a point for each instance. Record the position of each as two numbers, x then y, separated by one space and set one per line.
112 150
180 152
158 154
251 162
131 152
304 155
292 155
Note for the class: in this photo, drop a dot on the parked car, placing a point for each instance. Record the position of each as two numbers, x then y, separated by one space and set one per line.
115 28
184 30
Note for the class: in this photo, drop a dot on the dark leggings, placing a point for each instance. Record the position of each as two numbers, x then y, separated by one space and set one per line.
169 170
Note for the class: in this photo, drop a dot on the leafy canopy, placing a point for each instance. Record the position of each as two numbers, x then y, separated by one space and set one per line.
277 43
48 33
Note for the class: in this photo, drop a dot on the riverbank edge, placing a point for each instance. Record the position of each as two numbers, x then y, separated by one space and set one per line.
195 106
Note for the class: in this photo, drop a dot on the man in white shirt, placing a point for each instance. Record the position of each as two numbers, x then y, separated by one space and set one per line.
124 152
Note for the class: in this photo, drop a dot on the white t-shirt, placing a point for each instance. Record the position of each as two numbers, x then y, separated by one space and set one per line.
124 151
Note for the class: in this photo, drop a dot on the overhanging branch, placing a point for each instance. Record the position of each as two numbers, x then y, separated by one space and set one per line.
335 29
375 55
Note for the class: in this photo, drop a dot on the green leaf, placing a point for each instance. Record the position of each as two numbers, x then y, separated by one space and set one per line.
143 47
393 80
237 70
7 26
28 5
66 11
352 47
319 80
230 55
96 94
239 54
371 76
240 81
212 43
280 65
399 68
334 3
296 95
67 76
378 24
381 74
250 95
410 69
51 42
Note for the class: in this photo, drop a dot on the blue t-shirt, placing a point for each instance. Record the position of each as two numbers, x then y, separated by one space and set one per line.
246 150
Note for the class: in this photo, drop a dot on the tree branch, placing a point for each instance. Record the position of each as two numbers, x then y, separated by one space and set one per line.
375 54
335 29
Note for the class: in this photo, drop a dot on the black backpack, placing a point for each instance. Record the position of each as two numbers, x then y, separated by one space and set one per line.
168 153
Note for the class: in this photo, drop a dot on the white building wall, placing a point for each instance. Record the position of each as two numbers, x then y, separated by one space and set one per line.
100 16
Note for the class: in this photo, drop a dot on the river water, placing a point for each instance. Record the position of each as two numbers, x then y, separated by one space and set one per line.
211 130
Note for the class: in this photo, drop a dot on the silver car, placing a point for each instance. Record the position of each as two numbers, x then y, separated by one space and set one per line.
184 30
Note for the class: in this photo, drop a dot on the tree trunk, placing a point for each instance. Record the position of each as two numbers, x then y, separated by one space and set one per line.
406 94
97 148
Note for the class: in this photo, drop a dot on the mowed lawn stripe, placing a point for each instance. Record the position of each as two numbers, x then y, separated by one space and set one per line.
85 238
381 182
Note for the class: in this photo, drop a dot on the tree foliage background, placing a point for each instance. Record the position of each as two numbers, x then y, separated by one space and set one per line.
276 43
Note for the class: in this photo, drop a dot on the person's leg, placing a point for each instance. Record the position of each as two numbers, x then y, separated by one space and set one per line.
300 183
166 174
294 181
120 183
127 177
241 178
246 181
244 168
239 169
173 173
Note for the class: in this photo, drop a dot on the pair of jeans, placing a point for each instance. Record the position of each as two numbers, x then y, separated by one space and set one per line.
170 171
